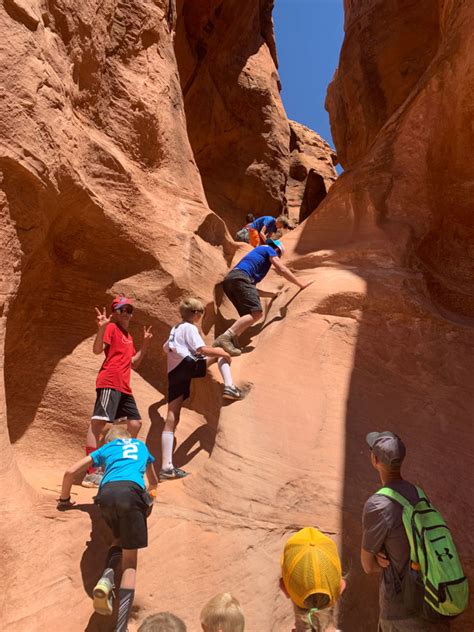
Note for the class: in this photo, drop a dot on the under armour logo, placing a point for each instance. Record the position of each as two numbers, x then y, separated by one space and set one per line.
441 555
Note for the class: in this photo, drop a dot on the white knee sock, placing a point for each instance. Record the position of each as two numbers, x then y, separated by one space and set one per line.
167 441
224 368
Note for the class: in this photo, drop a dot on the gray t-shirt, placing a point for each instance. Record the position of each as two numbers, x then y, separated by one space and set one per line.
383 530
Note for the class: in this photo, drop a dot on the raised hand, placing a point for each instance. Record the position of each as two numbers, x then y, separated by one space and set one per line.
101 316
147 335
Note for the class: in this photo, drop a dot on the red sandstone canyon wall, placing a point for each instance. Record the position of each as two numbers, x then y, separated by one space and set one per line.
135 136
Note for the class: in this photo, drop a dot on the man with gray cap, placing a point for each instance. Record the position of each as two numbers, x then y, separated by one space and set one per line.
385 546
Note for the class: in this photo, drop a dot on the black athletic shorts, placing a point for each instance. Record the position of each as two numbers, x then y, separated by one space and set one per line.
179 379
124 506
111 404
242 292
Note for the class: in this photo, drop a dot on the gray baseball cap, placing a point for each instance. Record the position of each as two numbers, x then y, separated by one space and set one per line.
387 447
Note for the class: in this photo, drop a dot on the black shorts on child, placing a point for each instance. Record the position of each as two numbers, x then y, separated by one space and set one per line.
179 379
111 404
124 506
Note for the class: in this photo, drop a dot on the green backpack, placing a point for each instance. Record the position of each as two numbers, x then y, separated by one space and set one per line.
433 554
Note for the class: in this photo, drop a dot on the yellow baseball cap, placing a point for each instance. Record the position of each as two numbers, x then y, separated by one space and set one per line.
310 564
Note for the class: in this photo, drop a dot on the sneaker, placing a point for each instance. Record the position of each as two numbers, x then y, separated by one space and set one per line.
225 342
172 473
103 595
92 480
232 392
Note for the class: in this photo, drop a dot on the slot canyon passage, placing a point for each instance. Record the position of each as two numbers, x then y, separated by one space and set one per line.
135 135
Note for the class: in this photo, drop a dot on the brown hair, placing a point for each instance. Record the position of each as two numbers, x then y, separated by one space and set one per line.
285 221
321 621
223 614
188 307
163 622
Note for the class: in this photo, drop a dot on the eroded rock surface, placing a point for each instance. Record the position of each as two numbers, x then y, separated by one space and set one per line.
102 192
236 122
311 173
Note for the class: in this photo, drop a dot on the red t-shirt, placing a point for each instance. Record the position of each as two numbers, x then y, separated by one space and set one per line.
119 351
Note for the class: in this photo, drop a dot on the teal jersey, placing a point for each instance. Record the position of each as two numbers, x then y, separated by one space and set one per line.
123 460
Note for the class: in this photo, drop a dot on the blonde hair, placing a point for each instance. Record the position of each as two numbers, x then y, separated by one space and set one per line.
118 431
162 622
223 614
189 306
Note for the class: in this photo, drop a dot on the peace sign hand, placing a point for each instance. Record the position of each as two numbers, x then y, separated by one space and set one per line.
101 316
147 335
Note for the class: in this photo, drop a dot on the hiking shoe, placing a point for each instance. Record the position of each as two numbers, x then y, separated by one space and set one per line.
225 342
232 392
92 480
103 595
172 473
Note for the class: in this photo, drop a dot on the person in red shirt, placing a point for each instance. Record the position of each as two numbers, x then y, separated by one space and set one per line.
114 395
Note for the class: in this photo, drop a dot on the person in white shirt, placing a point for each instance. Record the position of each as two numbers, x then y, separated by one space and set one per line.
188 358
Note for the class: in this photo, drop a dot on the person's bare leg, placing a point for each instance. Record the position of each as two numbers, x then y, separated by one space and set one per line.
244 322
127 587
94 431
229 339
133 426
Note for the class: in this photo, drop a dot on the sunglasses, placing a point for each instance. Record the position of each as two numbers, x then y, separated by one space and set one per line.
197 311
127 310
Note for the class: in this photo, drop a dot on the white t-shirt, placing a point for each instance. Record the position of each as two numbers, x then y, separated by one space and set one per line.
184 340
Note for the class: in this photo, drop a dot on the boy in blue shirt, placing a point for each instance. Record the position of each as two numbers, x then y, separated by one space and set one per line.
125 505
263 227
240 287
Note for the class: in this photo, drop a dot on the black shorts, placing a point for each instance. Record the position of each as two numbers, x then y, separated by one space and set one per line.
179 379
111 404
242 292
124 506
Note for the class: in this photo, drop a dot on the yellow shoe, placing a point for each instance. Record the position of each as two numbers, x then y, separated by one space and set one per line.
103 595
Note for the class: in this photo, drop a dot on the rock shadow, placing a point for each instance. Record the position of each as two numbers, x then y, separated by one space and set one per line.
65 268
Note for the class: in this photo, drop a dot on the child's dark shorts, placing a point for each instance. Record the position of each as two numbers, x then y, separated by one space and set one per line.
179 379
242 292
124 506
111 404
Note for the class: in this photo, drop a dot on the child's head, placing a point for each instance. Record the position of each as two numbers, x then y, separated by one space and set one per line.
222 614
118 431
283 221
249 218
162 622
311 574
189 307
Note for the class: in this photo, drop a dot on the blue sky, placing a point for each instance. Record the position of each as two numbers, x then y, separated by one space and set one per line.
309 36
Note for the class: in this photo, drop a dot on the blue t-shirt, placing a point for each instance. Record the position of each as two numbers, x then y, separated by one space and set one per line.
123 460
257 263
266 220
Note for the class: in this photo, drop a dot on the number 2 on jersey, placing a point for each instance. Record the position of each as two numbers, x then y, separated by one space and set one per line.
130 451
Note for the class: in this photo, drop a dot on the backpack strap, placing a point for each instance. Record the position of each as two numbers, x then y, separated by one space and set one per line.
391 493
